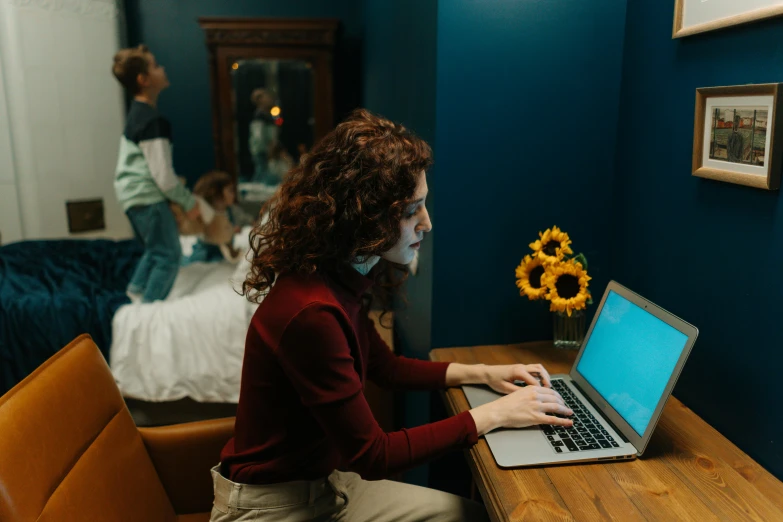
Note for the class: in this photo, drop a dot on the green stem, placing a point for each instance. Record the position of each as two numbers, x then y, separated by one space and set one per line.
580 258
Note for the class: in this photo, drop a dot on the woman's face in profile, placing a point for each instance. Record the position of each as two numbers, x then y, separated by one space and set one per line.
415 223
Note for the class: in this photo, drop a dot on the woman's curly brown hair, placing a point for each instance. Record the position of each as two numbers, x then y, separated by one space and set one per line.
342 204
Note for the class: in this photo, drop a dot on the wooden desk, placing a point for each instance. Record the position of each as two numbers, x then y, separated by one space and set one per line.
688 472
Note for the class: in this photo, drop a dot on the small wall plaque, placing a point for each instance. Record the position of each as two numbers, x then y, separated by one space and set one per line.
85 215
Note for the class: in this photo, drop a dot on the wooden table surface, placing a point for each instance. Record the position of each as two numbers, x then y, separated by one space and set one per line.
688 472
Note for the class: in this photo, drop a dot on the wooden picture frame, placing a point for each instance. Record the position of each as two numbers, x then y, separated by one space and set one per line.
721 13
736 135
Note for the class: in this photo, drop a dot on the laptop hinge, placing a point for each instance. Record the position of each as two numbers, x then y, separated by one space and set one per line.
604 417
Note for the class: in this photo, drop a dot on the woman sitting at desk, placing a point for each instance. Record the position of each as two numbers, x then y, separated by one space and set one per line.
306 445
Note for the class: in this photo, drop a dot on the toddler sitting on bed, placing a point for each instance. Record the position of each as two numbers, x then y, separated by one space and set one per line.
219 191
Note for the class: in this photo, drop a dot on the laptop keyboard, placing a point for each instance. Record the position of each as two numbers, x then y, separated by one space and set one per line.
586 434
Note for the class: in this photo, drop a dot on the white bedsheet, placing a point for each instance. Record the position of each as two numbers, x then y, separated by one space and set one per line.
191 344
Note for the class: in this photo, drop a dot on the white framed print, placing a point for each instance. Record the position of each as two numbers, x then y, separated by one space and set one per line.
698 16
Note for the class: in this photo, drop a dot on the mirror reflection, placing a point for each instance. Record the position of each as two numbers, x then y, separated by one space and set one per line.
273 118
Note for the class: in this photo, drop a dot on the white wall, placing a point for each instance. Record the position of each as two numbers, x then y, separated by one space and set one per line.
65 114
10 219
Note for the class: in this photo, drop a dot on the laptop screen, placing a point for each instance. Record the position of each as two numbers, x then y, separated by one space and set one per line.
629 359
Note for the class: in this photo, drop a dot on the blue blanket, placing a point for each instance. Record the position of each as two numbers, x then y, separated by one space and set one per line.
53 291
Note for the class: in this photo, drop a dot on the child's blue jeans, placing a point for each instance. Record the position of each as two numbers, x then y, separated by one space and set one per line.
155 226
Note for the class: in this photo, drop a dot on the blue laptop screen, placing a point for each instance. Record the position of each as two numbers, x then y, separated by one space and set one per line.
629 358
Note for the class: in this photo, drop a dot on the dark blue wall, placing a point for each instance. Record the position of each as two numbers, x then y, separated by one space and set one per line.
527 104
708 251
399 62
170 28
399 83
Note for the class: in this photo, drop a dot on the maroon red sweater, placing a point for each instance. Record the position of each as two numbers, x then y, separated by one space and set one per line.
302 411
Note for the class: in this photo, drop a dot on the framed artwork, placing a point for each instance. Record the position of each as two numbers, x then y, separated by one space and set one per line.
698 16
736 135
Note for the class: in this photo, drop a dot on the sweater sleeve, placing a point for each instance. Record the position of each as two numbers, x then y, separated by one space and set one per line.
401 373
156 147
315 355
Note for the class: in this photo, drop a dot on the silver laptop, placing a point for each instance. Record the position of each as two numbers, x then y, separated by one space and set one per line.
620 382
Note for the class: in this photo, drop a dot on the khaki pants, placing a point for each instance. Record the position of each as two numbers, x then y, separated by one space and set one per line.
343 497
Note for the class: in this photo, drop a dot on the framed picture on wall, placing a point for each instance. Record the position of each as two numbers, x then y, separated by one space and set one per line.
698 16
736 135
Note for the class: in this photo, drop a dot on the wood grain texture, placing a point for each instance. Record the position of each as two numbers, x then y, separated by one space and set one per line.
678 12
689 471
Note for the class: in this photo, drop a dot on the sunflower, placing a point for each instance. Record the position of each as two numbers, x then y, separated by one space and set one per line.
551 246
529 274
567 284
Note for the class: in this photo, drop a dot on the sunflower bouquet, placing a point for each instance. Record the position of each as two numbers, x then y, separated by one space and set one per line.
553 273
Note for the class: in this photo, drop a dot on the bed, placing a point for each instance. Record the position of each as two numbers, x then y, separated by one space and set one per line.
52 291
189 345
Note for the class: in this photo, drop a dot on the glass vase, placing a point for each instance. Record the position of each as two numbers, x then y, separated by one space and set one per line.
569 332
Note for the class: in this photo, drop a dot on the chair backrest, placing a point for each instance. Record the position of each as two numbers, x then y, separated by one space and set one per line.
69 449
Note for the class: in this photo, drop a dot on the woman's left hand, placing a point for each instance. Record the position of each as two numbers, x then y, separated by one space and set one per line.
501 377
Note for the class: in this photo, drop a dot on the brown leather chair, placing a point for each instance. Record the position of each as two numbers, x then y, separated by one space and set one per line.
69 450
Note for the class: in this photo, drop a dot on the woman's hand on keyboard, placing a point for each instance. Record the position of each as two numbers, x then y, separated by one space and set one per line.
525 407
501 377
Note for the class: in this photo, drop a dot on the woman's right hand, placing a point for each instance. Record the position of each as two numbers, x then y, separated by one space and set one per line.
525 407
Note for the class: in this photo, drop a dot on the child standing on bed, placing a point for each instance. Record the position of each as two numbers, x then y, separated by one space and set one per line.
219 190
145 180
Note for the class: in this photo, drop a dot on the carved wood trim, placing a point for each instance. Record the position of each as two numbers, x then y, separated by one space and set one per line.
269 31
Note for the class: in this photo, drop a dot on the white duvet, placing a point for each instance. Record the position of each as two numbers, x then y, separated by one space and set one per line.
191 344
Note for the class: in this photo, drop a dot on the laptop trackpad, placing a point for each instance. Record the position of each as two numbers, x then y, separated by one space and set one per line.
478 395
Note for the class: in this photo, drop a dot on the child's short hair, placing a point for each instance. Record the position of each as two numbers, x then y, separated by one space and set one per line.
210 186
259 93
129 64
